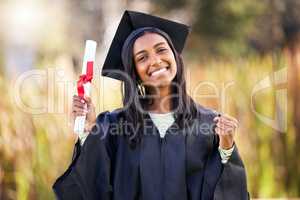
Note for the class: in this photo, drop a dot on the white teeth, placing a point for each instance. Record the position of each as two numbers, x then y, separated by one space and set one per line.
158 71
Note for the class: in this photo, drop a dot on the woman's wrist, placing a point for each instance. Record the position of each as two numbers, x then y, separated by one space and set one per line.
226 144
89 126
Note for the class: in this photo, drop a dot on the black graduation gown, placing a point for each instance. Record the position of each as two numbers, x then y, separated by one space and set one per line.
184 165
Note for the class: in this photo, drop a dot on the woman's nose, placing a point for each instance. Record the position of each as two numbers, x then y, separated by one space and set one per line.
155 60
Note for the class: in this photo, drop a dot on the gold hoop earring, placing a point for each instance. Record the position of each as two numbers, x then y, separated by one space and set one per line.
142 90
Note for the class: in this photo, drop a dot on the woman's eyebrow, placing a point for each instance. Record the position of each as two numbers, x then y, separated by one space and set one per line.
140 52
158 44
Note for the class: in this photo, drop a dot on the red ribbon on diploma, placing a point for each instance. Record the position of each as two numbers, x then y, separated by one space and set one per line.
84 78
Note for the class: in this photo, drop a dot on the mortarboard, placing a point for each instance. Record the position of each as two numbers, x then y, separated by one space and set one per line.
131 21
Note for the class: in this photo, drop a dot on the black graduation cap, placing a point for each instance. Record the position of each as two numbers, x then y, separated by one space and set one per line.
131 21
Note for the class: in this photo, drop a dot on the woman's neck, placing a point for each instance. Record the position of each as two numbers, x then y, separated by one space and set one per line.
161 99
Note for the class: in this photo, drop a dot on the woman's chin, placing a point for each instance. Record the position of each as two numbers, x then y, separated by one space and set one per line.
159 83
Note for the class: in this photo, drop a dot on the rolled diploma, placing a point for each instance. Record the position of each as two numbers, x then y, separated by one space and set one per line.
89 55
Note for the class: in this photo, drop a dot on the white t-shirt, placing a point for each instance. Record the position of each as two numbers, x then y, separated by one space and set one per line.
162 121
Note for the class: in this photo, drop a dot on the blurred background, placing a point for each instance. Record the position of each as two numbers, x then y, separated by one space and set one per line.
242 58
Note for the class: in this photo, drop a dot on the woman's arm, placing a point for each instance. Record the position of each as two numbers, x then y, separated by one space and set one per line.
88 176
222 181
232 183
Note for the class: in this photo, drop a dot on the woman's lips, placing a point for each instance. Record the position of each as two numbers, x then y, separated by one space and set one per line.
159 71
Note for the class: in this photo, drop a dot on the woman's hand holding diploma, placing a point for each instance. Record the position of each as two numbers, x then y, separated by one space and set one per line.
84 108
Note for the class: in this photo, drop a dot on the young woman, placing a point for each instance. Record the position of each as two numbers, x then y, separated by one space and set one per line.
161 145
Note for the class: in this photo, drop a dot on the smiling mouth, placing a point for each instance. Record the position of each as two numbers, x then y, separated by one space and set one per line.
159 71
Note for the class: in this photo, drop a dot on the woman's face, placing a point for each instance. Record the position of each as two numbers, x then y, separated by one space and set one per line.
154 60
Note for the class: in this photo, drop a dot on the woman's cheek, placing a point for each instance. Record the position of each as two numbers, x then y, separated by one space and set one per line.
174 68
142 72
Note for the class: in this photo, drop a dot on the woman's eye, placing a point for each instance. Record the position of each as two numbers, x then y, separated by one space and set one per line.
141 58
161 49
